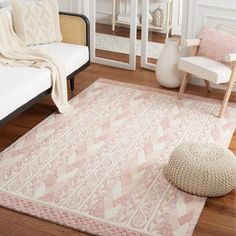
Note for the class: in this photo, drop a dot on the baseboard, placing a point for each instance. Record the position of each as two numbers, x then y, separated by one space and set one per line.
103 18
200 82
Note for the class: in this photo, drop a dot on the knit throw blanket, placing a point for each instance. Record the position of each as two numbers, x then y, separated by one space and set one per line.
13 52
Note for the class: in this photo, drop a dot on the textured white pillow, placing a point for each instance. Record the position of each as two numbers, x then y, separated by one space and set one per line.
36 21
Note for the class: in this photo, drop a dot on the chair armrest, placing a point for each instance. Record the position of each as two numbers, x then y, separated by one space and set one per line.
74 28
190 42
230 57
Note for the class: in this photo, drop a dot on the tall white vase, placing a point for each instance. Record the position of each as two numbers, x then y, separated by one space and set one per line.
167 72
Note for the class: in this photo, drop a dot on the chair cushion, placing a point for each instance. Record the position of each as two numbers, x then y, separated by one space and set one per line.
19 85
74 56
205 68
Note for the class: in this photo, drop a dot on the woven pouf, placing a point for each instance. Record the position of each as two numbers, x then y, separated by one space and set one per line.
203 169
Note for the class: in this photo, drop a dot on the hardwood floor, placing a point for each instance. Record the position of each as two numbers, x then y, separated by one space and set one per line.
219 214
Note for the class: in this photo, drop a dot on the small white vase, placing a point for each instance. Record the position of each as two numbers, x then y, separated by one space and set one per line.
167 72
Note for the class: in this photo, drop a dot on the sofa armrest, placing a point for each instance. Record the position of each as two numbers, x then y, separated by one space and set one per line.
190 42
74 28
230 57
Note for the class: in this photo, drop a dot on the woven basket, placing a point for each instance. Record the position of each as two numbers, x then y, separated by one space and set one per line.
203 169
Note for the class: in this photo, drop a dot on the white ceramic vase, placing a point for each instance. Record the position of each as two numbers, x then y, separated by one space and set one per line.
167 72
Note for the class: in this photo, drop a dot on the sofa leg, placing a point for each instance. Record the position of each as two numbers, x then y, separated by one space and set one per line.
72 84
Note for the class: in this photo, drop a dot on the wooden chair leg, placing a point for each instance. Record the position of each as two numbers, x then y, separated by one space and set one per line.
183 85
208 85
227 94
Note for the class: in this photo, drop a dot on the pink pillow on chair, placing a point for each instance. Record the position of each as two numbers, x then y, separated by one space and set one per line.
215 44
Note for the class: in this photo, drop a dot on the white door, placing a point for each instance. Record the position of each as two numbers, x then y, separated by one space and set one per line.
114 46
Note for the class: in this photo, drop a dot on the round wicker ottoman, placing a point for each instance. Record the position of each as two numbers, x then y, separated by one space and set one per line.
203 169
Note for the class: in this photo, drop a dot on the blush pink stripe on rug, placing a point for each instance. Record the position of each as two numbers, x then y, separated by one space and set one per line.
99 169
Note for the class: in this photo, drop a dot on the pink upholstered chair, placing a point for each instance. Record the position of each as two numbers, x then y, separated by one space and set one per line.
206 62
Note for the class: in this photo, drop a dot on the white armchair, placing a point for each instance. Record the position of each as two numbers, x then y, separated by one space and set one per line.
207 69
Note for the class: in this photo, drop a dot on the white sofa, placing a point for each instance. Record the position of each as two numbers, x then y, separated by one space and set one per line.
20 87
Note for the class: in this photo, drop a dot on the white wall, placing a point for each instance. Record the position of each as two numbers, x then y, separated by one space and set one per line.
177 17
198 13
66 5
75 6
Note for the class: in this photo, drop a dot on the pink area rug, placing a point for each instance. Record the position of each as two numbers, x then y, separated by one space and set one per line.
99 169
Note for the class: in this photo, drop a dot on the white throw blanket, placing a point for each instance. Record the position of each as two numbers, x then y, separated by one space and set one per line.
14 53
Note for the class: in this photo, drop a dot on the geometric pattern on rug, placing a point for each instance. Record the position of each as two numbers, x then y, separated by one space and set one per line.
99 169
119 44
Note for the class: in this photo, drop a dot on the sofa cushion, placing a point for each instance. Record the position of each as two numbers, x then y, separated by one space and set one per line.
205 68
74 56
19 85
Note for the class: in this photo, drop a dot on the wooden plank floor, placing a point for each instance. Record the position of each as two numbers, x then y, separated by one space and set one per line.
218 216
